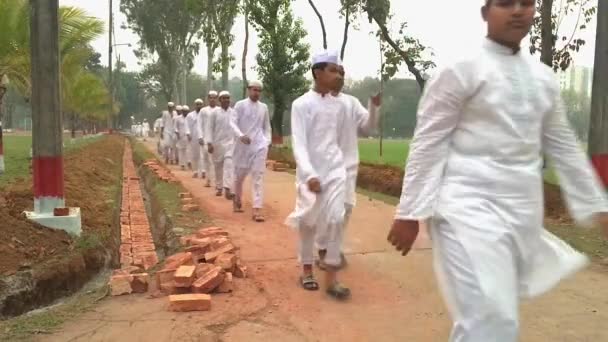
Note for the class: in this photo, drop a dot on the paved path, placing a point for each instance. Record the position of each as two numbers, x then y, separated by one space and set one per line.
394 298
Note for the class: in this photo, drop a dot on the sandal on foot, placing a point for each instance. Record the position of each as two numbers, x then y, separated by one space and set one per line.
338 291
309 283
236 206
258 218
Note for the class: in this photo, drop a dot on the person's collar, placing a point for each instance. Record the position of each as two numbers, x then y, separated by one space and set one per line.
496 47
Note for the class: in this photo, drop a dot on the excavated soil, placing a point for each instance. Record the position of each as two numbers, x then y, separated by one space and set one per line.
40 264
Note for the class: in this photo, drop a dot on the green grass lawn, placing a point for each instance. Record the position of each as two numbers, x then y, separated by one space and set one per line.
394 152
17 154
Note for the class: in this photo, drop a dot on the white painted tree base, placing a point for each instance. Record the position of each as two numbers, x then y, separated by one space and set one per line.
72 223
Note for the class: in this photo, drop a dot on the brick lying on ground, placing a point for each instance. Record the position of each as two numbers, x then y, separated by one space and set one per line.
190 302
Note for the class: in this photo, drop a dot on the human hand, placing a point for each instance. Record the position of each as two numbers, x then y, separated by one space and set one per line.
210 148
403 234
314 185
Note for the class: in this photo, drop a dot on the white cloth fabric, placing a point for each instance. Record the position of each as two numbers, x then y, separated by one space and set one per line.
220 133
224 173
157 125
359 121
194 145
475 170
251 119
317 122
306 244
327 56
203 120
168 129
182 131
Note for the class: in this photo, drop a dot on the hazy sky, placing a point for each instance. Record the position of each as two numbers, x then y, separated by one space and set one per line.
444 25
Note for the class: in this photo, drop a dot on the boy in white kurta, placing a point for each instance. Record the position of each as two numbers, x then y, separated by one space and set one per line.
220 144
251 126
195 147
167 132
202 126
359 122
317 122
181 136
474 171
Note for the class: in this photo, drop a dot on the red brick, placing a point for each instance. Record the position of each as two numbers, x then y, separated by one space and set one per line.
170 289
208 282
226 261
189 302
190 208
198 252
212 232
184 276
218 243
179 259
211 256
120 285
165 275
202 269
204 242
139 219
125 249
185 240
126 260
127 270
227 285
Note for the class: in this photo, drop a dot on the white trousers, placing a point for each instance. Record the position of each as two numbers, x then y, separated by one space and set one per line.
174 152
206 165
333 236
182 153
482 296
224 173
257 187
321 239
195 157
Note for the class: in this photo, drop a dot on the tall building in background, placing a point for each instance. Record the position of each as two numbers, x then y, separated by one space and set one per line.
577 78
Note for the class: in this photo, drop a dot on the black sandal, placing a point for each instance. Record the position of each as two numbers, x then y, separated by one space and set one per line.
309 283
338 291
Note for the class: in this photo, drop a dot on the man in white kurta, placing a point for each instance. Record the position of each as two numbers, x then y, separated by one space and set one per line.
220 144
359 122
474 171
195 147
317 123
203 119
167 132
175 151
251 125
145 129
181 136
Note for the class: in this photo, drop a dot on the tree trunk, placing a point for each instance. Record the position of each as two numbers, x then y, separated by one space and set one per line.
547 40
245 51
346 27
184 84
225 65
210 55
277 120
322 23
598 131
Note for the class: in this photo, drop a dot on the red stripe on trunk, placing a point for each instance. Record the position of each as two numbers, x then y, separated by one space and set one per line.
600 162
48 177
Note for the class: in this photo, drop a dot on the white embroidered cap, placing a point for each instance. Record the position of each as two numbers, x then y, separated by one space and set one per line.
186 108
198 101
178 108
224 93
212 93
326 56
256 83
170 104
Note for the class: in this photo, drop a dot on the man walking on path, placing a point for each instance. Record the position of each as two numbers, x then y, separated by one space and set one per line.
202 126
193 138
251 125
167 131
318 120
220 144
181 136
474 171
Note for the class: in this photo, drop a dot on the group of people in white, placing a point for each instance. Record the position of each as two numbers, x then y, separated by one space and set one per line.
141 129
473 173
222 142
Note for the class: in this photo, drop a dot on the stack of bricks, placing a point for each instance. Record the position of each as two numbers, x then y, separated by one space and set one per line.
277 166
137 250
207 266
163 173
188 203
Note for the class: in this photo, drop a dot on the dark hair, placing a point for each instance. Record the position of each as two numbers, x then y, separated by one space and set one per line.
318 66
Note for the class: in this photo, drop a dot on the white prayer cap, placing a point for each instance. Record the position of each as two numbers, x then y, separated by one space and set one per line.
224 93
256 83
212 93
170 104
178 108
326 56
198 101
185 108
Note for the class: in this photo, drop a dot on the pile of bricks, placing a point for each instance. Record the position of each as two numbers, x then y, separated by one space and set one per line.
163 173
137 250
277 166
207 266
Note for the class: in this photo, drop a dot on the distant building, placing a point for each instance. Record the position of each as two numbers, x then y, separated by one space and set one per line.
577 78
